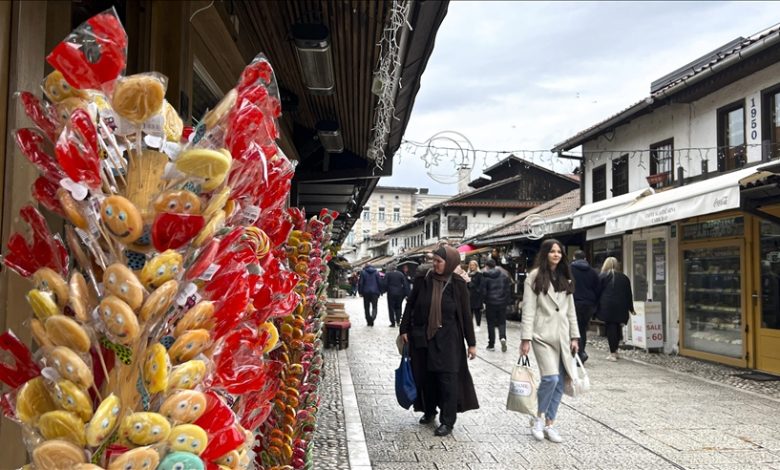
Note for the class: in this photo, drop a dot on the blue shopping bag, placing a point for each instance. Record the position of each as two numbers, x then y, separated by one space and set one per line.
405 389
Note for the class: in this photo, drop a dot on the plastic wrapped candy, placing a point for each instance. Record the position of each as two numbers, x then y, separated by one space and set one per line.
44 117
94 54
44 250
77 150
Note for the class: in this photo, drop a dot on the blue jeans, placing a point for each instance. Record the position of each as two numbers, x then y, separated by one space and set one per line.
550 393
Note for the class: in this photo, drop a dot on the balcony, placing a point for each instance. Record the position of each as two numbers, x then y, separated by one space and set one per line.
660 180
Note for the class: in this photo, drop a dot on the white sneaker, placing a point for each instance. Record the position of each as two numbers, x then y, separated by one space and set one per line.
537 429
552 435
477 329
503 345
612 357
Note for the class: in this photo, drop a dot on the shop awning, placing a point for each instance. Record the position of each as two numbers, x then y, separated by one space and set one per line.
598 212
704 197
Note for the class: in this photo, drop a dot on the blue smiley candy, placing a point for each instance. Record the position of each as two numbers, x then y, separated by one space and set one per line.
181 461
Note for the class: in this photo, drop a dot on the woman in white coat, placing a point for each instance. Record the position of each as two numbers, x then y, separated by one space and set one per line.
550 325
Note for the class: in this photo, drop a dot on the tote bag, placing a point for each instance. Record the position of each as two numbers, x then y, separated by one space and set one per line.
405 389
522 388
578 385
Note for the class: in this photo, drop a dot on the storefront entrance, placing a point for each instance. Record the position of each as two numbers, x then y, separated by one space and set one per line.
647 266
767 311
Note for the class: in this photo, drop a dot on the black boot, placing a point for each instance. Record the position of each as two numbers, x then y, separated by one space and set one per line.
443 430
427 418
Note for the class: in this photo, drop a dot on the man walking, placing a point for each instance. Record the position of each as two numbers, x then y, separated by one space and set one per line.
496 294
397 288
370 288
586 296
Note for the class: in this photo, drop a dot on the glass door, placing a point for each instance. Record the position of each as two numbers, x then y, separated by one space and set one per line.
767 344
648 269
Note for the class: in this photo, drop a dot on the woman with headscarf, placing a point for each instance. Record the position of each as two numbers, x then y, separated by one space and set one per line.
436 321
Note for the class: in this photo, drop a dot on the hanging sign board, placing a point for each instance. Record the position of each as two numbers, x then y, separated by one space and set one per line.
645 329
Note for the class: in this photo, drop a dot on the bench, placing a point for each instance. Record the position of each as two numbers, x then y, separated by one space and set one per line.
337 334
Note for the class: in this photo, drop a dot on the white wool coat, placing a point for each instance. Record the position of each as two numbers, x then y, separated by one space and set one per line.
550 322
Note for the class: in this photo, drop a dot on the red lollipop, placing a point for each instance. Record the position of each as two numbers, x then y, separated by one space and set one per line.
172 231
205 259
77 150
45 192
44 250
30 142
41 114
94 54
23 368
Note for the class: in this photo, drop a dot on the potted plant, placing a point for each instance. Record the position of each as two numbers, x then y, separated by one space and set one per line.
658 179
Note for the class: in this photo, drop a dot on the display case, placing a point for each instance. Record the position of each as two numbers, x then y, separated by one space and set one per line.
712 300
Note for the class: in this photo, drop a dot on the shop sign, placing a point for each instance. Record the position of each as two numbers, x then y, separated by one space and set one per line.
720 228
646 330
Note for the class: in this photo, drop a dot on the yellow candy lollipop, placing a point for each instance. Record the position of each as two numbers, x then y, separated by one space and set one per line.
189 344
104 421
62 425
161 268
184 406
188 438
144 428
71 366
216 223
33 400
49 280
159 301
142 458
157 367
58 455
210 165
64 331
187 376
71 397
120 281
42 303
199 316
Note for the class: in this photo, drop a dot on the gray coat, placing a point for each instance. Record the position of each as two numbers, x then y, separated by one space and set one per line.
550 322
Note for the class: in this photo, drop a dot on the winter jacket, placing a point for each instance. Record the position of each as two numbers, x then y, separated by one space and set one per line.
496 288
396 284
550 322
616 298
475 286
370 283
586 283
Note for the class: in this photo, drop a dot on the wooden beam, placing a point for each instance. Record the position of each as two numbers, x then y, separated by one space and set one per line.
170 52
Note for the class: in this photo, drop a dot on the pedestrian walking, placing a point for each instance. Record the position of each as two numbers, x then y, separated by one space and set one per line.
353 283
475 293
397 288
370 288
496 293
586 296
615 303
549 324
436 320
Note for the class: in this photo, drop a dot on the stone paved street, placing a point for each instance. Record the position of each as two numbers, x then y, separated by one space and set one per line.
637 415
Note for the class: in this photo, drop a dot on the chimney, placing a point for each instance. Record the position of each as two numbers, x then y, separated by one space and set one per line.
464 178
423 190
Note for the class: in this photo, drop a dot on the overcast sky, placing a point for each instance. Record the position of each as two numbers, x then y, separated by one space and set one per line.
527 75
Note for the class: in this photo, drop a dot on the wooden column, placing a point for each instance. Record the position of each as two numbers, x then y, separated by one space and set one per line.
170 51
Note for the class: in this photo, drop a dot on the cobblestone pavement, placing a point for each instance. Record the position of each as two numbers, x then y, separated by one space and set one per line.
330 438
637 415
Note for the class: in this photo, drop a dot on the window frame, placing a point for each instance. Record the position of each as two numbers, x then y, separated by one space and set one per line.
396 214
622 164
381 214
770 148
603 170
724 161
367 213
654 161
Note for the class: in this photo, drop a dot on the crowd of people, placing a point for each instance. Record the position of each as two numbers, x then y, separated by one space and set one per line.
444 302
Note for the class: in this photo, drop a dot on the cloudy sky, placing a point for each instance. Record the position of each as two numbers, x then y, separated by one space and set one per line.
527 75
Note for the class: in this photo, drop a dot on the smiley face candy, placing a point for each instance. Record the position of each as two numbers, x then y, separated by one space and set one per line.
229 460
120 281
181 461
42 304
138 97
178 202
122 219
184 406
80 297
160 301
58 454
198 317
142 458
119 319
161 268
71 366
71 397
189 345
104 421
65 331
188 438
157 367
33 400
57 89
49 280
71 209
144 428
187 376
62 425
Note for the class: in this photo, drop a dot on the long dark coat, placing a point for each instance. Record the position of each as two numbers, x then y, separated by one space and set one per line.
475 290
416 313
616 298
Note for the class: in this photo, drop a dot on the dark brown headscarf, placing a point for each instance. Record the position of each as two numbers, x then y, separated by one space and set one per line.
451 261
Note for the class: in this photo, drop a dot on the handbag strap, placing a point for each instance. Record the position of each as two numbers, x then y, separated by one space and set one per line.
582 366
523 360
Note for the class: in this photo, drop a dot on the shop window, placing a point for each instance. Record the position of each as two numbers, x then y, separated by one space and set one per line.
771 123
396 214
599 179
770 275
620 176
731 137
604 248
661 164
381 214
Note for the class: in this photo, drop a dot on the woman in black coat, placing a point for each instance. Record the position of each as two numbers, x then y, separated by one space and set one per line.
615 303
475 295
436 320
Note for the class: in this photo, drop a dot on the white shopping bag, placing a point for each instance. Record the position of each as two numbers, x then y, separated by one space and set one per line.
522 388
578 385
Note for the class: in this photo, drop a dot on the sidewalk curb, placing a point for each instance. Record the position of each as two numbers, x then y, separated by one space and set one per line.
356 437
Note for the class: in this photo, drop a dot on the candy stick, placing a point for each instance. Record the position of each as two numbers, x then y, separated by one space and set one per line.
103 365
